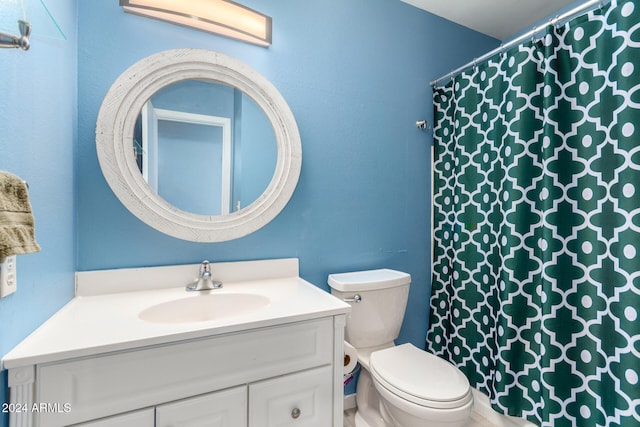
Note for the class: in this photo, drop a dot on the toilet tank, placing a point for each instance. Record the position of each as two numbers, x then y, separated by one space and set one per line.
377 318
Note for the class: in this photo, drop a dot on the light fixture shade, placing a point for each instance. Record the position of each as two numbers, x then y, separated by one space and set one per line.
223 17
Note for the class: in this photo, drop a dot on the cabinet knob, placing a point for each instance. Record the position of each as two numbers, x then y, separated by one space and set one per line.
295 413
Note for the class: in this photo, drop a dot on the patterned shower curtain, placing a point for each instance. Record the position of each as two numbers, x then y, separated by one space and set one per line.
536 274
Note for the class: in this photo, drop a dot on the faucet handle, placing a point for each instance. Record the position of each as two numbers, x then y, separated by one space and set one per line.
204 282
205 269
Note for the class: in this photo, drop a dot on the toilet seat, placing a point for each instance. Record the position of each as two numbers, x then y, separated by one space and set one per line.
420 377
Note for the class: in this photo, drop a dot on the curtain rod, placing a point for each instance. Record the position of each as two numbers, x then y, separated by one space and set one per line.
583 8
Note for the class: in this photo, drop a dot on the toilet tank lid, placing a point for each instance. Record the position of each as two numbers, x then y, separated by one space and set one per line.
368 280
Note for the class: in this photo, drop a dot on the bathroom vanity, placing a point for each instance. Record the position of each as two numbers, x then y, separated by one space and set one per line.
133 348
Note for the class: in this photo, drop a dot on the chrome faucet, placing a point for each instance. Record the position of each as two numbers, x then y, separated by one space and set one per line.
205 282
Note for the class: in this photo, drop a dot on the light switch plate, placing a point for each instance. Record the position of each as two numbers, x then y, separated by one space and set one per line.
8 276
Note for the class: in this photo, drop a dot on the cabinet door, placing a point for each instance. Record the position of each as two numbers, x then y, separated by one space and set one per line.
301 399
143 418
226 408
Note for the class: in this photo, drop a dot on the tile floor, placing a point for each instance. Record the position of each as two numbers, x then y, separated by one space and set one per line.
476 420
349 418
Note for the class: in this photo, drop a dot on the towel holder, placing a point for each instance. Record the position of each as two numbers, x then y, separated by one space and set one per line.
9 41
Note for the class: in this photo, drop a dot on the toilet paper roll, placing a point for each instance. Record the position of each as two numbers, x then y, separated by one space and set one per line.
350 358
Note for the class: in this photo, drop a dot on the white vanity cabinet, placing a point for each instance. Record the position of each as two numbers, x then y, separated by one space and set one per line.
281 375
98 362
300 399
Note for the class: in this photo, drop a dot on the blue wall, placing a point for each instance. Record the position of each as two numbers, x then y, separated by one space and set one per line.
37 142
355 74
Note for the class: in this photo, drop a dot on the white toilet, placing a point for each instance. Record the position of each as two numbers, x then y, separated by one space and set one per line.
399 386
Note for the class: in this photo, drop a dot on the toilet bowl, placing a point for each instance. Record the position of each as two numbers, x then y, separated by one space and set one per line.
399 386
419 389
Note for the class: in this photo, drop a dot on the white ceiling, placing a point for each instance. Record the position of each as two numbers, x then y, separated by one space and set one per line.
497 18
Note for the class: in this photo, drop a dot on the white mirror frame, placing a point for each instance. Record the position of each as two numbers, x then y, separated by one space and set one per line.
114 143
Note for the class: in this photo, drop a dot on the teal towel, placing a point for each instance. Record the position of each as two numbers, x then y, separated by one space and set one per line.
17 233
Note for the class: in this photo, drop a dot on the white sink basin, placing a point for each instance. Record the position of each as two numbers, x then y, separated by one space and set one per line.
204 308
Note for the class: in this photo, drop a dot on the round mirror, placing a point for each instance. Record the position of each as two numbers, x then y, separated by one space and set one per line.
198 145
204 147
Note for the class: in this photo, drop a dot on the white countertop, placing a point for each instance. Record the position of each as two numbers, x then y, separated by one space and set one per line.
107 322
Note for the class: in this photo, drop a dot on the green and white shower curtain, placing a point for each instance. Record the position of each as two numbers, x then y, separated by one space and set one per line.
536 274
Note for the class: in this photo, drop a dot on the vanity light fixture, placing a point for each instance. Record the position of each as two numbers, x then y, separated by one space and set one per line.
223 17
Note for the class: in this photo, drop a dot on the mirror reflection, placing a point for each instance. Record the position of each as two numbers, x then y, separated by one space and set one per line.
205 147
